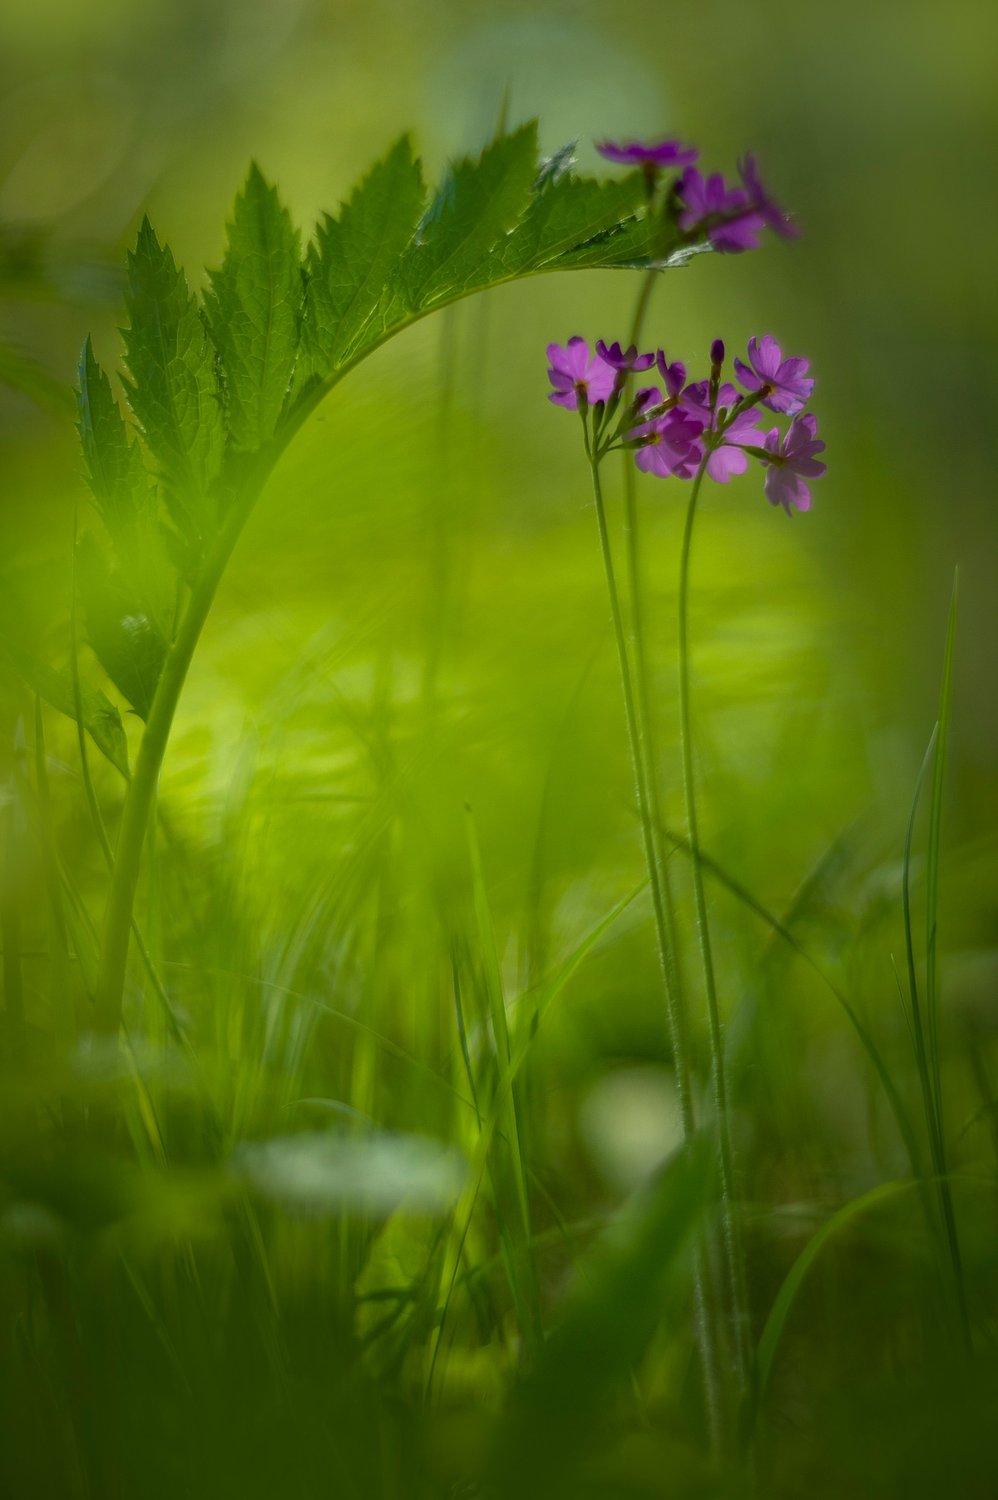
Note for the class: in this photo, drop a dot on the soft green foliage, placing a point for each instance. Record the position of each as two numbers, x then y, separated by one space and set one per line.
254 313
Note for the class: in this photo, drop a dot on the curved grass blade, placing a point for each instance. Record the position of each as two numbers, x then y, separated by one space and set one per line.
776 1322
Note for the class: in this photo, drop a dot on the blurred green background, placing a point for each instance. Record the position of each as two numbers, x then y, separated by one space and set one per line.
415 617
875 125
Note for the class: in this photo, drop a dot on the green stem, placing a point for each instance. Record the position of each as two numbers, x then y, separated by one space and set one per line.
663 925
733 1260
665 934
646 738
141 794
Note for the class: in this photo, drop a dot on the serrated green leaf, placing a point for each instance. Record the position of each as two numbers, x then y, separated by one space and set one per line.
173 387
101 719
351 263
115 470
637 242
123 495
476 206
125 638
566 213
254 311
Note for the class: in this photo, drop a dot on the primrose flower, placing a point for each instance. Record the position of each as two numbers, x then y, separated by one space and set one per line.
727 459
661 154
792 461
790 386
725 213
575 372
669 445
696 399
673 375
624 360
770 212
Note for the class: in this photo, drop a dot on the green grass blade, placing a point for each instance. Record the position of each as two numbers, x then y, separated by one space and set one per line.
933 859
605 1327
476 1168
780 929
521 1258
776 1322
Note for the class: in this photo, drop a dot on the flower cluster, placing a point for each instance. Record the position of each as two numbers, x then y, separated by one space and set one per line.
730 216
679 429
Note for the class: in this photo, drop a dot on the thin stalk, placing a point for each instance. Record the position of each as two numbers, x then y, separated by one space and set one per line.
97 819
734 1263
663 928
705 1301
646 739
659 836
141 794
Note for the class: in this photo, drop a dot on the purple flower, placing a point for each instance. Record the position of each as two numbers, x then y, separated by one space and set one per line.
729 459
575 371
662 154
673 375
768 211
624 360
790 385
696 399
792 462
670 443
725 213
717 353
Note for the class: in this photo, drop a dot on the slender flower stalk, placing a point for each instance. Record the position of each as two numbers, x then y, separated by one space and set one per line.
672 970
733 1258
664 922
705 1296
686 432
706 1319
